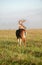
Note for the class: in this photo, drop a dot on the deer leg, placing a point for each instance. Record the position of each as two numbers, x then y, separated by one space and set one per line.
24 41
20 41
24 38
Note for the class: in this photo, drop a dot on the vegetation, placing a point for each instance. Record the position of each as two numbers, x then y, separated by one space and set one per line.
13 54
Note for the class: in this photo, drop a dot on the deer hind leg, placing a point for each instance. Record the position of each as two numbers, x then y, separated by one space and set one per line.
19 41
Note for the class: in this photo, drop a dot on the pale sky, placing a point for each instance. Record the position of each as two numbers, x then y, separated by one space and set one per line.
11 11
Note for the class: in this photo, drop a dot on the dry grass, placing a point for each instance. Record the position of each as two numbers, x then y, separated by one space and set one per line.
12 54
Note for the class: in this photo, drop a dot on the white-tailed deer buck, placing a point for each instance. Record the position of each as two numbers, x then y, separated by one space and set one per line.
21 33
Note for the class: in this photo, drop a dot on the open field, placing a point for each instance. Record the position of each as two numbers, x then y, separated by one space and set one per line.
12 54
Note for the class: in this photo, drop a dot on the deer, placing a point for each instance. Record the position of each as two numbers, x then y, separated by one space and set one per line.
21 33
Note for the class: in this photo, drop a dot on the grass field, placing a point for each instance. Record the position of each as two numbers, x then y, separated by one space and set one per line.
12 54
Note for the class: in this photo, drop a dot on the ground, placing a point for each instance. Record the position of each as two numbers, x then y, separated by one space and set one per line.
13 54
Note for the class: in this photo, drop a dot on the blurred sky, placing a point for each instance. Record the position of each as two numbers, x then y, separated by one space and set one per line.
11 11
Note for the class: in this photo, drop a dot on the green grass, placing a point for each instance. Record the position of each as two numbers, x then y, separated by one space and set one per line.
13 54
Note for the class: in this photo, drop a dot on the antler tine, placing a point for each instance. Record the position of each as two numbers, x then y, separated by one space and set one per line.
22 21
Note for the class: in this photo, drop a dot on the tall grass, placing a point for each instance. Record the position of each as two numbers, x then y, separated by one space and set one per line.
13 54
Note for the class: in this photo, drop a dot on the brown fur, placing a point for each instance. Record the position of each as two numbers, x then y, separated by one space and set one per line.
20 34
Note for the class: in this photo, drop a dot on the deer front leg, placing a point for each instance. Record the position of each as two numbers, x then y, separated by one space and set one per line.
24 41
